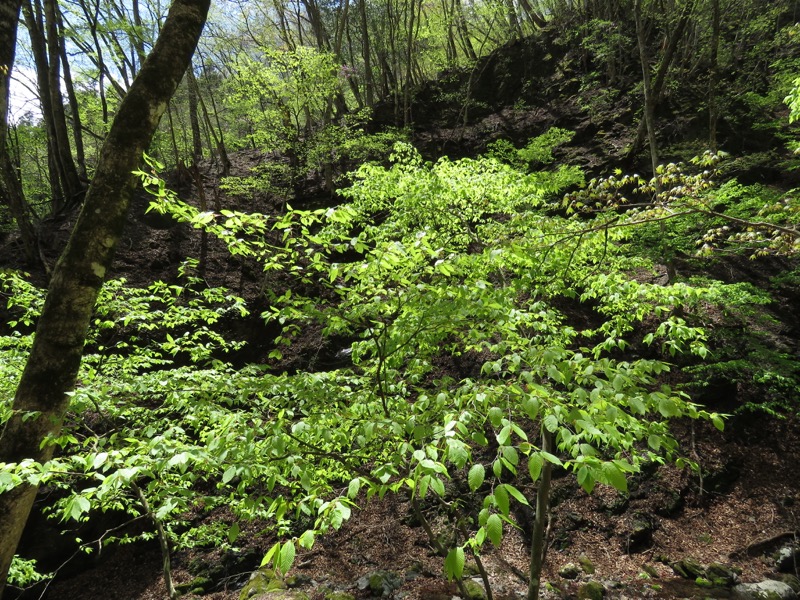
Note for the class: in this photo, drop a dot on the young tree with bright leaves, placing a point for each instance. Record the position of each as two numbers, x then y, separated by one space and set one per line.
41 398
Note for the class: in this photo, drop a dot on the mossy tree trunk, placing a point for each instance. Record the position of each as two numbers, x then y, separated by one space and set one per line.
53 364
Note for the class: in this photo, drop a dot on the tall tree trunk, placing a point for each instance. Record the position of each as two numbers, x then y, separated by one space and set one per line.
10 185
663 68
45 44
78 275
369 78
649 98
713 80
194 119
77 132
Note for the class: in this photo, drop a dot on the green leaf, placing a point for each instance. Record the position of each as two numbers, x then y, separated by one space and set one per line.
613 476
454 563
286 558
551 423
457 453
307 539
229 474
352 489
516 494
233 533
437 486
718 422
668 408
535 462
494 529
497 468
551 458
270 554
586 479
504 435
501 500
476 476
76 507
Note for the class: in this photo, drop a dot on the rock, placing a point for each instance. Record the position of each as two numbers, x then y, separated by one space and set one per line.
282 595
332 595
569 571
720 574
765 590
299 580
261 582
475 590
787 559
380 583
592 590
650 570
688 568
640 533
586 564
792 581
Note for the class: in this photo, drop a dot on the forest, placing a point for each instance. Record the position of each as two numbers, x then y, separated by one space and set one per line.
415 299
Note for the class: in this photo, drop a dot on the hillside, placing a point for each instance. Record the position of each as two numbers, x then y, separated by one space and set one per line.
671 532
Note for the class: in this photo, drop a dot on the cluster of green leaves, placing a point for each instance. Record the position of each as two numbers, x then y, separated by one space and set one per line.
683 207
460 259
281 94
423 264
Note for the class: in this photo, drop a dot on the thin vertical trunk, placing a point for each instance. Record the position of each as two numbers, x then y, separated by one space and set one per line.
369 79
464 35
55 356
538 541
713 81
194 120
663 69
649 98
65 182
77 131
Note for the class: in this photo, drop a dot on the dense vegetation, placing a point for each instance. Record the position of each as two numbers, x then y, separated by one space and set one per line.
490 319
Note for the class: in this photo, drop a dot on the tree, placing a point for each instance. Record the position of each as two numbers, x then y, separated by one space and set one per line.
9 181
41 398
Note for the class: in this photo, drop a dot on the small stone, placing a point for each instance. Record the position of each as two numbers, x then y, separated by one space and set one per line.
380 583
475 590
650 570
586 564
569 571
299 580
592 590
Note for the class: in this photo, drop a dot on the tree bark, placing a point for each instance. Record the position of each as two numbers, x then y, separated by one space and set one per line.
78 275
65 185
649 98
713 80
663 69
538 541
10 186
